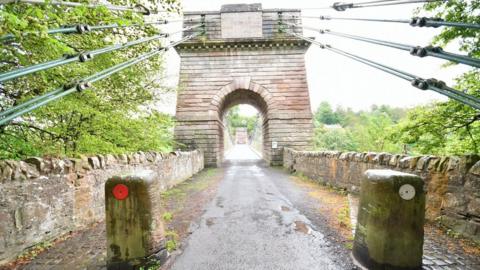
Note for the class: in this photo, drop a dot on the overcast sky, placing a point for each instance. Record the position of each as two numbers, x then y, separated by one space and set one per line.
344 82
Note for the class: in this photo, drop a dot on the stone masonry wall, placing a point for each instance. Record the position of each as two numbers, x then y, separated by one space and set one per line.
243 58
452 183
206 75
41 199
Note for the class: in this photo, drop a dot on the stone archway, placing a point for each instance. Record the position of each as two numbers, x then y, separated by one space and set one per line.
255 65
244 91
204 128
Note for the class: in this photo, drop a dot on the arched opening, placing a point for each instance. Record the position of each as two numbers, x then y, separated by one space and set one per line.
249 139
285 121
242 131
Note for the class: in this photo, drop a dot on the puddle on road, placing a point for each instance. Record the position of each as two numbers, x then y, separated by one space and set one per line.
219 202
210 221
302 227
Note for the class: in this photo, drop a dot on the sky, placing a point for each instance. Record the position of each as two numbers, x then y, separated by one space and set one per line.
344 82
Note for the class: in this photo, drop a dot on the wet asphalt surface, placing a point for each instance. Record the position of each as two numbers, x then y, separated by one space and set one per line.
260 220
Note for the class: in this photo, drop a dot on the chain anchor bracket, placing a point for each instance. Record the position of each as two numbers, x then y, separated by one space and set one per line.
425 22
342 6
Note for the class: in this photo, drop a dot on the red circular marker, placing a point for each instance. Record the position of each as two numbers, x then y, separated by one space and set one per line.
120 192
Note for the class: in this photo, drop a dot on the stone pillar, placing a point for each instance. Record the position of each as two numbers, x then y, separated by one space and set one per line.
389 233
243 58
134 225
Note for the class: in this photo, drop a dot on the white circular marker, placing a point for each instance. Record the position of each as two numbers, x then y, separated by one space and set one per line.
407 192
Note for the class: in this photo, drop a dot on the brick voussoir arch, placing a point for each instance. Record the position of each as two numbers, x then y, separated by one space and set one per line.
242 84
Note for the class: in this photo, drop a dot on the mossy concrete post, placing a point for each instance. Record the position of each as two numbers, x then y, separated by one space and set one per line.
389 233
134 225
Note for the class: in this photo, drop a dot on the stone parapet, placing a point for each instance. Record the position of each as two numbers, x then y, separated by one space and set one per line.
42 199
451 183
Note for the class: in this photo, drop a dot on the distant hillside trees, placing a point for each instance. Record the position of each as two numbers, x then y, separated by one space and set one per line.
440 128
356 131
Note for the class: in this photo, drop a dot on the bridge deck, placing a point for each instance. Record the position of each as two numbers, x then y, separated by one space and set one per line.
256 217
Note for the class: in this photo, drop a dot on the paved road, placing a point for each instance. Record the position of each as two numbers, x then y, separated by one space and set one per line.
252 225
241 152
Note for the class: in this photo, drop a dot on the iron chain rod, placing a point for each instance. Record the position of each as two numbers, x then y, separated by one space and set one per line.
395 45
321 17
459 93
423 84
436 52
125 45
437 23
185 29
456 95
28 102
63 30
16 113
402 74
429 84
82 57
415 21
82 84
342 6
420 83
393 3
35 68
137 9
83 28
376 2
453 57
399 73
414 50
112 70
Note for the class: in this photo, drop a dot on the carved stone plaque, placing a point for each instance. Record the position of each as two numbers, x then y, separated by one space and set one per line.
242 25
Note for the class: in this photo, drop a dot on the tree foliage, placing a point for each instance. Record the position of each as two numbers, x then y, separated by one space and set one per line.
440 128
334 139
106 118
325 115
449 127
235 120
358 131
443 128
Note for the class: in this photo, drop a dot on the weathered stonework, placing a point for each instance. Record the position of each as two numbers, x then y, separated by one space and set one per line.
390 229
134 222
222 70
452 184
42 199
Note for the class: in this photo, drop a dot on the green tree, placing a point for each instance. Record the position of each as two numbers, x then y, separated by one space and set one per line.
325 115
334 139
443 128
109 117
361 131
372 132
235 120
449 127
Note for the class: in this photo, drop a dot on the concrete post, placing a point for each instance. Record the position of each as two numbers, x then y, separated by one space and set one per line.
135 231
389 233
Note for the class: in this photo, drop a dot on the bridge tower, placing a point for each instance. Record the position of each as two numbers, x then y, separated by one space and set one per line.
243 59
